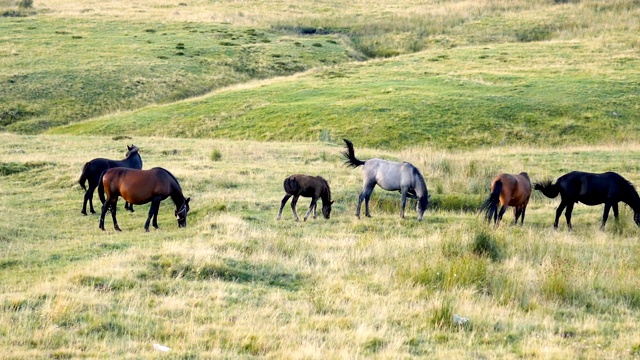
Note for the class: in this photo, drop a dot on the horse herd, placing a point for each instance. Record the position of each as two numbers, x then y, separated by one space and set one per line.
126 179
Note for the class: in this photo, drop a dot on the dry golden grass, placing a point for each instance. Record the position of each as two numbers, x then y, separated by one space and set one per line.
236 283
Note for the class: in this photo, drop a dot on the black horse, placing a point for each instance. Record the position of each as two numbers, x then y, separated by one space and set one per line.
93 169
591 189
314 187
140 187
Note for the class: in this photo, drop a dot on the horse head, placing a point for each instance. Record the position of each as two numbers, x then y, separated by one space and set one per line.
421 206
131 149
181 214
326 209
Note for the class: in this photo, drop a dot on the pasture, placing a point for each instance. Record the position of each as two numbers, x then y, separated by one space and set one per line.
237 283
234 96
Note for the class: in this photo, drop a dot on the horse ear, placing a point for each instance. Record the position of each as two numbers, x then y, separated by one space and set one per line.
129 147
331 203
187 200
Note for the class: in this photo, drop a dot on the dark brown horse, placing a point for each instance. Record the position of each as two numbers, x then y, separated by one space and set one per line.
140 187
507 190
591 189
93 169
314 187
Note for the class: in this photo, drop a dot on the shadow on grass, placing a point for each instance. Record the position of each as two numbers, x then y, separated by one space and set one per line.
177 267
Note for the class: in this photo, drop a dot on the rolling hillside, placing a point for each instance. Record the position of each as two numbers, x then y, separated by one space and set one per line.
461 73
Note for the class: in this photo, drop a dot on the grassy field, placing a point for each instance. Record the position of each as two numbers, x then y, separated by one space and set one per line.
236 283
233 96
469 73
457 98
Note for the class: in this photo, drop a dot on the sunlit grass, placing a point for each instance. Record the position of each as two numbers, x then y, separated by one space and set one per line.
237 282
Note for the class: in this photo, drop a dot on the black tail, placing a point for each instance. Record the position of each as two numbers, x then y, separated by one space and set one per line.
291 185
350 156
490 206
83 176
101 188
548 188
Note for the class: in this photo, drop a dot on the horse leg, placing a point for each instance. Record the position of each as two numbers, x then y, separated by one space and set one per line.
153 213
315 207
559 211
282 204
502 210
105 207
614 206
112 205
516 213
88 198
128 206
314 201
360 198
113 215
403 202
567 214
366 203
524 210
294 201
605 215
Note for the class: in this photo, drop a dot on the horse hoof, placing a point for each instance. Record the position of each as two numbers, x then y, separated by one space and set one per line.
83 213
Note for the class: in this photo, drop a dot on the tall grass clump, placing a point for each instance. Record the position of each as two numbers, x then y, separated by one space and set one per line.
25 4
486 244
216 155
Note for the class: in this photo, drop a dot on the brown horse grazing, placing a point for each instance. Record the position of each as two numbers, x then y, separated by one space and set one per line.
92 170
308 186
140 187
508 190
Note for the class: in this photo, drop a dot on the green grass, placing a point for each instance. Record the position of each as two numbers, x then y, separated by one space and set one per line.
463 90
458 98
238 283
57 71
465 74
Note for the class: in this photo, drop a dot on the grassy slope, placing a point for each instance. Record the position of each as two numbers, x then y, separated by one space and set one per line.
236 283
528 68
61 70
548 93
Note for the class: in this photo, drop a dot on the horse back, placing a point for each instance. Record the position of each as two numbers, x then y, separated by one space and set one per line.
593 189
516 189
305 185
137 186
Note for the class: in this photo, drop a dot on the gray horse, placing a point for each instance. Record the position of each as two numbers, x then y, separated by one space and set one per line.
390 176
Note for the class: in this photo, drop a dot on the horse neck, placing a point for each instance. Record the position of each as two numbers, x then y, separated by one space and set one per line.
133 159
178 198
325 195
632 199
420 186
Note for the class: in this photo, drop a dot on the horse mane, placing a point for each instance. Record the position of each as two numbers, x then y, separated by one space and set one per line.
326 185
172 176
631 188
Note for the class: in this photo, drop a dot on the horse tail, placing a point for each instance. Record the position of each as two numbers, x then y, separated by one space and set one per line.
83 176
350 156
101 188
291 185
490 206
548 188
